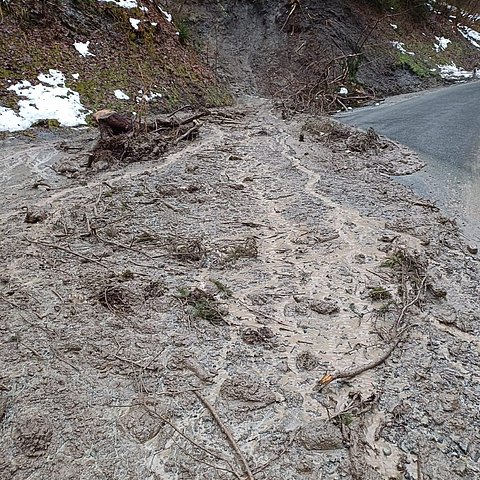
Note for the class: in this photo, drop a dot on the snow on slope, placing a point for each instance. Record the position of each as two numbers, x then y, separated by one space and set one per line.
49 99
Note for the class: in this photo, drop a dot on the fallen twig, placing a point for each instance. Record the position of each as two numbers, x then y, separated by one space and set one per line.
347 374
395 339
187 134
227 433
201 460
289 15
66 250
399 320
186 437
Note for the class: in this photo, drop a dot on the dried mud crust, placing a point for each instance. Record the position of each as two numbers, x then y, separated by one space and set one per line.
181 318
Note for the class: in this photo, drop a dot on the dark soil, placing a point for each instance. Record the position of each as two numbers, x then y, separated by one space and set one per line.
304 55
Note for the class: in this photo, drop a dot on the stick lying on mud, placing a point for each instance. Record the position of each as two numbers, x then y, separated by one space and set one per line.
396 338
346 374
66 250
227 433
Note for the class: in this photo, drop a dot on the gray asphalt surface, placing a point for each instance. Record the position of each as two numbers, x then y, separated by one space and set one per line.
443 125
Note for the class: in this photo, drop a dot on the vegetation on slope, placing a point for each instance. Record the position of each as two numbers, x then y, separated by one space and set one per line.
38 36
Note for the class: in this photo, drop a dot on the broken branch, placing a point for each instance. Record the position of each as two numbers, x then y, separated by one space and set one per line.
228 434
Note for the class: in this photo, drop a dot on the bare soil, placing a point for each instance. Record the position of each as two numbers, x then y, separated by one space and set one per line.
262 302
304 53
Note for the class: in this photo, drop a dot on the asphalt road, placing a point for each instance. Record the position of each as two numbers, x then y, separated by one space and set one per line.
443 126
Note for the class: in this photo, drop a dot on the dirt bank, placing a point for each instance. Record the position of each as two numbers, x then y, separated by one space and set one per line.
209 314
305 53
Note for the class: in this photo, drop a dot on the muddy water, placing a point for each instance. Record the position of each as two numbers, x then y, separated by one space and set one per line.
330 274
26 167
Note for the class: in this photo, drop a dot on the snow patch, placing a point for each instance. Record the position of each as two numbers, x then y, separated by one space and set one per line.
401 46
82 49
122 3
121 95
134 23
394 26
76 76
452 72
343 91
50 99
442 44
470 34
148 97
166 14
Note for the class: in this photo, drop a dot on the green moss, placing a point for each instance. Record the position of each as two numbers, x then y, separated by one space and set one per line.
173 98
6 74
415 65
218 97
50 123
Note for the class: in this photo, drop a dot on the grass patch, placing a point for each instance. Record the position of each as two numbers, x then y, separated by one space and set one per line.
415 65
379 293
203 305
223 289
184 32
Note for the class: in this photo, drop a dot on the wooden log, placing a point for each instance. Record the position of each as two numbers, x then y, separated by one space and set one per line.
112 123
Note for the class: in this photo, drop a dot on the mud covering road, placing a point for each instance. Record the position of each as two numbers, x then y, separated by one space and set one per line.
442 125
247 306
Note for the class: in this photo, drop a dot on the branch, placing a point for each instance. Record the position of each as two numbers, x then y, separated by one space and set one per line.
397 337
66 250
228 434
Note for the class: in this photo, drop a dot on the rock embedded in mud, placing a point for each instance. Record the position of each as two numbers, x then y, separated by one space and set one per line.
33 435
35 216
473 249
321 435
255 336
247 388
323 307
388 237
437 291
3 407
307 361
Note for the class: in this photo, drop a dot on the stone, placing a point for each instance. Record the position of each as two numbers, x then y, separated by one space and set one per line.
388 237
473 249
321 435
323 307
35 215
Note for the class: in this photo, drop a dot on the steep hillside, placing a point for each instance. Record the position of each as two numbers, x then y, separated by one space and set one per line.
60 60
308 51
123 46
